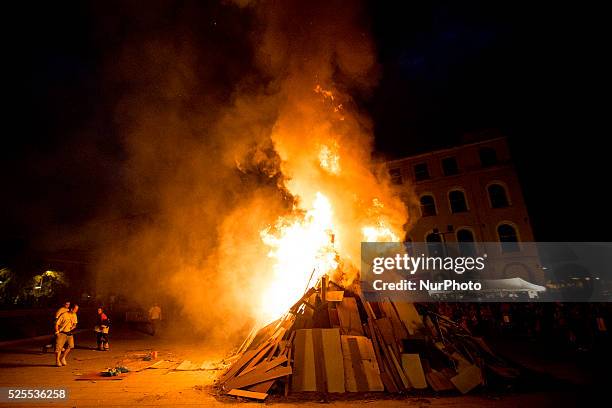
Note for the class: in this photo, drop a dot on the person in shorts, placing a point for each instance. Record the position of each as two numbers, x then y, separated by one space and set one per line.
64 338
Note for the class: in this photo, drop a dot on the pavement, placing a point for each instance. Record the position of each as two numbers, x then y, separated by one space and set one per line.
25 366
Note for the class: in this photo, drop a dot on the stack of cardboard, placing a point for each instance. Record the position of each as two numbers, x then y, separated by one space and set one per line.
333 340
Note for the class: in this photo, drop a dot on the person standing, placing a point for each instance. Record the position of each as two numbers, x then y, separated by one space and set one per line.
155 316
64 336
63 309
102 328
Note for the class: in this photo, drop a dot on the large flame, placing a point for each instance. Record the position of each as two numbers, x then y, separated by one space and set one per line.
303 250
340 205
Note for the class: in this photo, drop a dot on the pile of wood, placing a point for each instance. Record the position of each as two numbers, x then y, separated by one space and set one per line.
334 341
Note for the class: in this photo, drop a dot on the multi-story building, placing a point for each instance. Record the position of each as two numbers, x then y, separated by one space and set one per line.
470 194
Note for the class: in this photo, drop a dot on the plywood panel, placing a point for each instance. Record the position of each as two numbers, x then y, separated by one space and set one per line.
263 387
398 328
386 330
303 378
348 314
358 369
409 316
256 377
467 379
334 296
248 394
411 363
332 356
439 382
318 363
398 367
361 368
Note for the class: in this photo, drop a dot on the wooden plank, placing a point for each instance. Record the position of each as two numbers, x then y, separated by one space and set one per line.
248 394
273 350
467 379
334 321
256 377
399 370
349 370
289 359
334 296
377 343
282 347
262 387
263 335
387 380
411 363
237 366
186 365
319 360
265 366
266 348
164 364
303 378
360 360
257 358
348 314
374 337
361 381
318 363
409 316
384 325
386 329
278 342
462 363
399 331
388 363
439 382
334 363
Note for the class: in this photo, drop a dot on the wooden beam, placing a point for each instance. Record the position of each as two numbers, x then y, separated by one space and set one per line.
248 394
256 377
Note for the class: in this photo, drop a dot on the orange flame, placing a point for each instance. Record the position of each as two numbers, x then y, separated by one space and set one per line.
303 250
325 165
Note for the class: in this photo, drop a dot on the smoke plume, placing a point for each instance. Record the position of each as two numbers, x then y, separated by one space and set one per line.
224 133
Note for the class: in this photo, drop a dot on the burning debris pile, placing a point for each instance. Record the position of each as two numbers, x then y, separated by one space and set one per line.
334 341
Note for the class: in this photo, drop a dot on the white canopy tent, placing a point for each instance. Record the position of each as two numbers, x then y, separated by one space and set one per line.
508 287
511 285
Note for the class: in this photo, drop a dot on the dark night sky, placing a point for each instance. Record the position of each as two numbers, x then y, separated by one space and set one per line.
530 71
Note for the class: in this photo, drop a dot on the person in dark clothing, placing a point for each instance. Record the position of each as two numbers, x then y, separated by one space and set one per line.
102 329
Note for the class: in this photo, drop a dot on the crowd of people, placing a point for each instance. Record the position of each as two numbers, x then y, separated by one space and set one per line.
580 326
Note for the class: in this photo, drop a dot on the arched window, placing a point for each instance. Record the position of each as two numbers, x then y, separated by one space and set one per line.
465 238
428 206
434 244
457 201
498 196
508 238
488 156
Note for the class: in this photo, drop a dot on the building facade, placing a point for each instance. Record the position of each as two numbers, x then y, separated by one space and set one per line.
470 194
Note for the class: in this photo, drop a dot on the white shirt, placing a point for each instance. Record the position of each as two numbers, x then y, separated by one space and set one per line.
67 322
